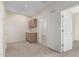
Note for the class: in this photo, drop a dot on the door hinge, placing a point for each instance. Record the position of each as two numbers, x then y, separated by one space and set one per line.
62 16
62 30
62 45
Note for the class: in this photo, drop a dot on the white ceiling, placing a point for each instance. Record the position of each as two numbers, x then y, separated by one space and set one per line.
74 9
28 8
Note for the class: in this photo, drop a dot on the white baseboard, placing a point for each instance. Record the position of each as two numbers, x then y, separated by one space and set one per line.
1 55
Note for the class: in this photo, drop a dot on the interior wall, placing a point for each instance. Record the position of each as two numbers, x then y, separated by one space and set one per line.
52 14
2 30
16 27
52 31
76 26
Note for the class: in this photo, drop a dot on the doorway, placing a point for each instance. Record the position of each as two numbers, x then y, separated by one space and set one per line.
69 29
43 32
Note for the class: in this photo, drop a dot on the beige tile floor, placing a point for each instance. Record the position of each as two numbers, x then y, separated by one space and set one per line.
25 49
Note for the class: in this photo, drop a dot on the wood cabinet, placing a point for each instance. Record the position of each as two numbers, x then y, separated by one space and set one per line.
31 37
32 23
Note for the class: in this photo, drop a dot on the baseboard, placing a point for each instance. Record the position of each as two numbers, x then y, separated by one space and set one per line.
15 41
2 55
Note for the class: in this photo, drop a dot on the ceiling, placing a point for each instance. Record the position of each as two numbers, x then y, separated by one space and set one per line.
74 9
28 8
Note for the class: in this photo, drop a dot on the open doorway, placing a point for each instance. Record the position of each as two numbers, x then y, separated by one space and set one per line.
43 32
69 29
76 30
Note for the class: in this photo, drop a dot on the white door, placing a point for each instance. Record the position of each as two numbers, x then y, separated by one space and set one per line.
43 30
66 31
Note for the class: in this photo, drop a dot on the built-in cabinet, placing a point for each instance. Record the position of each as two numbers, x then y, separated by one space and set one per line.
31 36
32 23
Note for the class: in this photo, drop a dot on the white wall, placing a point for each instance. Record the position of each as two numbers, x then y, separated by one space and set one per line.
76 26
53 16
16 27
2 30
53 29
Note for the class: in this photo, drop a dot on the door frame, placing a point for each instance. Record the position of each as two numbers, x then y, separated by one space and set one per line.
62 30
61 27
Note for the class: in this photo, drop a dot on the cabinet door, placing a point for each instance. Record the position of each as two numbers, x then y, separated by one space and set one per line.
32 23
33 37
29 24
35 22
